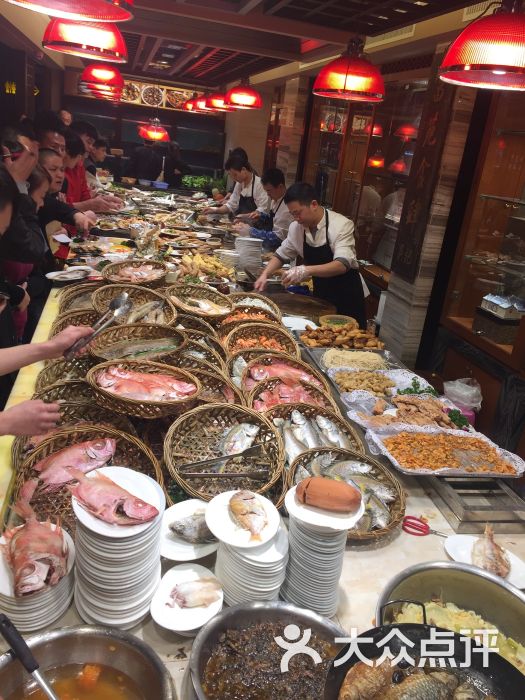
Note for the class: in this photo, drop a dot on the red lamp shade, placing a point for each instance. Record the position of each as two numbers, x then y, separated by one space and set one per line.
102 81
398 166
189 105
351 77
153 131
200 104
86 39
243 97
217 102
407 132
489 53
377 130
94 10
376 161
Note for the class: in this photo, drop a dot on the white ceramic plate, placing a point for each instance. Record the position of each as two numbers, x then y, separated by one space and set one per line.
298 323
185 619
174 547
139 485
226 529
321 518
73 274
459 548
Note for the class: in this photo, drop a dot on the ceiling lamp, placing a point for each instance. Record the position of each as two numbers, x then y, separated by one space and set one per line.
377 131
399 167
93 10
154 131
102 81
86 39
189 105
407 132
376 161
351 77
217 102
200 104
243 97
490 52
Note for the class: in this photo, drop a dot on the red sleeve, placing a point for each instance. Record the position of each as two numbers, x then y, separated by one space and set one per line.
85 193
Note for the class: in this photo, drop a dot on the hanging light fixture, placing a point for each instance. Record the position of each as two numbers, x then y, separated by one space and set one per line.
102 81
94 10
406 132
489 52
154 131
376 161
243 97
189 105
399 167
86 39
351 77
377 130
217 102
200 104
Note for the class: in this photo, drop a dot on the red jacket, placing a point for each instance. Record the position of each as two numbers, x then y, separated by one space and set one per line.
77 187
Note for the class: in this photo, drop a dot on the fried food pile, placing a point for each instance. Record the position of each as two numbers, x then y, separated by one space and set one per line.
347 336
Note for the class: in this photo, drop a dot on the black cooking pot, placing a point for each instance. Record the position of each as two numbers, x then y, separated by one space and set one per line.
499 677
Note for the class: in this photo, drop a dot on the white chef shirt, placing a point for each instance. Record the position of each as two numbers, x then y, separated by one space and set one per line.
340 239
259 194
282 219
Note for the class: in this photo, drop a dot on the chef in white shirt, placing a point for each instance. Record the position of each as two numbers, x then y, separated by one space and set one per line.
323 242
248 195
271 228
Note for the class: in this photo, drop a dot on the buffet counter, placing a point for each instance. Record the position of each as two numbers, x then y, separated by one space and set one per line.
367 568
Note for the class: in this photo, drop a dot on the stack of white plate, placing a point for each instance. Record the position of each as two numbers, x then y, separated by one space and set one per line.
118 566
253 574
230 258
317 546
250 252
36 610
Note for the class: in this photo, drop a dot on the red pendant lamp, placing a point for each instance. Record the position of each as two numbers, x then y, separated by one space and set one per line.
351 77
377 130
86 39
189 105
490 52
406 132
399 167
200 104
92 10
102 81
154 131
217 102
376 161
243 97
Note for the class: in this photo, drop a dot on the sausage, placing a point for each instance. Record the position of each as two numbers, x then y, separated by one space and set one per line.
328 494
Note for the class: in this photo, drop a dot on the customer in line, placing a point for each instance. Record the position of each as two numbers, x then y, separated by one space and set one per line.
248 195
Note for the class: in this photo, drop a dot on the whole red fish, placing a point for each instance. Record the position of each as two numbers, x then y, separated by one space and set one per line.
109 502
55 469
35 552
287 373
144 386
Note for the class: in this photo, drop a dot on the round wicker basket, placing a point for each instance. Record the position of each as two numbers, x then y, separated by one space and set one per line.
56 505
311 374
252 333
111 272
200 351
216 388
195 323
138 295
199 434
102 344
179 292
190 362
205 339
77 297
83 317
260 316
285 411
140 408
379 473
315 395
63 370
238 297
70 391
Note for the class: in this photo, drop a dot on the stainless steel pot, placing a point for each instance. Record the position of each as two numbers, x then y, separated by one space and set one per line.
243 615
80 645
466 586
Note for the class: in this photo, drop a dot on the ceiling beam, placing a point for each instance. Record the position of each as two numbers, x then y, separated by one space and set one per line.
151 55
278 7
202 60
188 55
256 21
248 6
224 60
138 52
238 70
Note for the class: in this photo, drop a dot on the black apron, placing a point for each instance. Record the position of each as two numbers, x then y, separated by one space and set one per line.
344 291
274 213
247 204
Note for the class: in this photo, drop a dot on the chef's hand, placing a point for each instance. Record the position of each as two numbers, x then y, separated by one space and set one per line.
241 229
29 418
254 215
260 282
295 275
209 210
56 346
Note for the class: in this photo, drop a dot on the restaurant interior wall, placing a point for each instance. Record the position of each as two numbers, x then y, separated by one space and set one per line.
293 114
17 84
248 129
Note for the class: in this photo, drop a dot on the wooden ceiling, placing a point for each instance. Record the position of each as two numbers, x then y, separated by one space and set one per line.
212 42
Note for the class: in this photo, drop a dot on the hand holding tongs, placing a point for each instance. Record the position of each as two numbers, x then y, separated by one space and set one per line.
119 306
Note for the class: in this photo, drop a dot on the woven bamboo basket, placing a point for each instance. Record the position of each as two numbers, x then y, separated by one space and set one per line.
199 434
195 323
200 351
137 408
204 339
190 362
63 370
214 385
278 491
237 297
71 295
110 273
226 326
137 332
270 358
242 356
83 317
69 391
179 292
56 505
285 411
379 472
138 295
252 333
317 397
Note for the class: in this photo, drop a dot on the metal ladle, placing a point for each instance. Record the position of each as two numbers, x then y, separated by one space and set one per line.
22 652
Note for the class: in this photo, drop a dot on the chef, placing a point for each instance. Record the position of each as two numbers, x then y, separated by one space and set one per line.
323 241
248 195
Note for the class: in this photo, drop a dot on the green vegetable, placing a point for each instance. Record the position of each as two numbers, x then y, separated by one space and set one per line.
198 182
458 418
416 388
102 264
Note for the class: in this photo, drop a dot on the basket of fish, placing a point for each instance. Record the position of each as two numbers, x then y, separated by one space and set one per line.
68 455
82 317
142 388
247 450
146 273
138 342
200 300
383 494
246 314
304 427
204 338
201 351
187 322
264 336
149 306
258 301
64 370
289 369
216 387
78 297
276 391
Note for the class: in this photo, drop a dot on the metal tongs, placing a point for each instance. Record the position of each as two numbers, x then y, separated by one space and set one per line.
119 306
22 652
249 452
